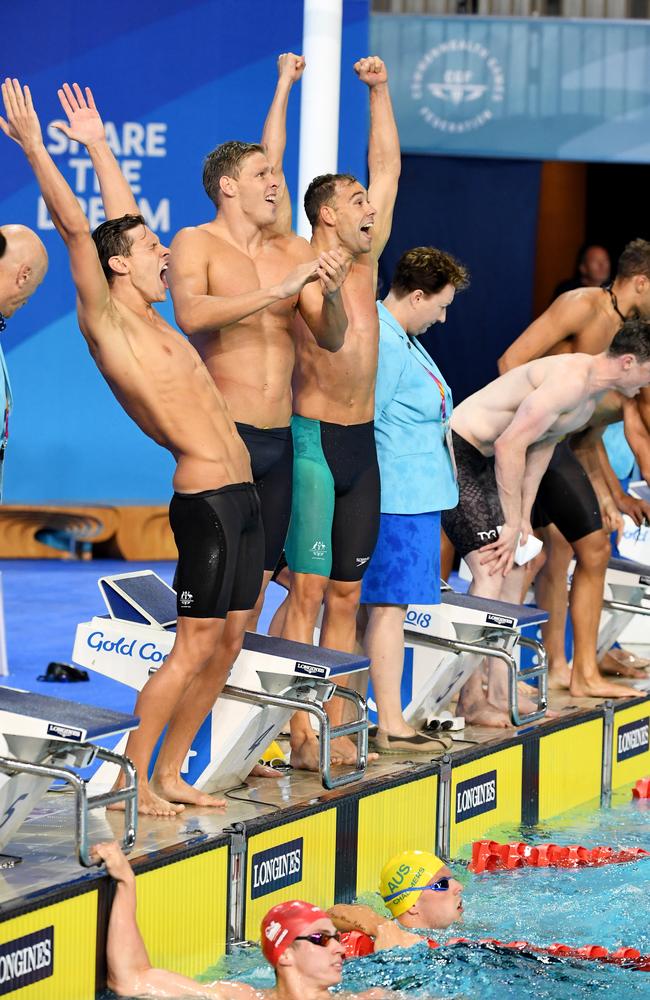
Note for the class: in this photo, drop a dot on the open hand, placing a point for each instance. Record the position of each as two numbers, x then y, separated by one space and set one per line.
371 70
299 277
333 269
638 510
290 66
21 124
85 124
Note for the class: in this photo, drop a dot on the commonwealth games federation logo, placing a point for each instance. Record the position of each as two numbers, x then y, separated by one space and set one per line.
457 85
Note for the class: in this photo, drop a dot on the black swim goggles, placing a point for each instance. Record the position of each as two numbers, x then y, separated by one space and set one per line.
321 938
440 885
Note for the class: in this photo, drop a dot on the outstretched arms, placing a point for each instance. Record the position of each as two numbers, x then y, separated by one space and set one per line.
274 134
22 125
85 126
384 161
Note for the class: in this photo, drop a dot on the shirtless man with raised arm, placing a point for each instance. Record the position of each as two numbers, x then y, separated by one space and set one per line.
571 509
504 437
335 510
166 389
298 940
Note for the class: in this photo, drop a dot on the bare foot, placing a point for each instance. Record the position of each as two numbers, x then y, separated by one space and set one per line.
612 666
559 675
486 715
628 659
305 756
150 804
344 748
263 771
175 789
597 687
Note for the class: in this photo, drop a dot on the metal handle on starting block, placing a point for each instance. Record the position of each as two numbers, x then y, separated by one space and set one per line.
84 803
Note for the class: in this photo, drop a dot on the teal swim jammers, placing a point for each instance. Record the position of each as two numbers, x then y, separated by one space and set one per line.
336 492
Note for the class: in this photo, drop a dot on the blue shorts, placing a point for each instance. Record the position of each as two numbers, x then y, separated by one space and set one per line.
405 566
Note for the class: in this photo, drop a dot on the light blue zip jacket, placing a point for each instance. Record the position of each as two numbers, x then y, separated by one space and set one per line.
416 471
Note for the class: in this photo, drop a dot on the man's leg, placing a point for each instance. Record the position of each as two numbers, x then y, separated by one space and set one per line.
551 594
585 602
194 706
196 640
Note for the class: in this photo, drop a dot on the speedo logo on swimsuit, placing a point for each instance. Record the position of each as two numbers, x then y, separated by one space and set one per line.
360 560
26 960
311 669
186 599
276 868
632 739
318 550
500 620
64 732
476 795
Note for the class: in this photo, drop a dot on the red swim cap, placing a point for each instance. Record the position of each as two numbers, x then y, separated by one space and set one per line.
283 924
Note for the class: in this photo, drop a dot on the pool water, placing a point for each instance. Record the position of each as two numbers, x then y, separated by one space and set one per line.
606 906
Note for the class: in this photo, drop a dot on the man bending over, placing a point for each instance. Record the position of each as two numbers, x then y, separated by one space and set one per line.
504 436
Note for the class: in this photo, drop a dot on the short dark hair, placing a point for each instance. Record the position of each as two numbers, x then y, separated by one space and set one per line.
634 260
428 269
226 161
112 240
321 191
3 244
632 338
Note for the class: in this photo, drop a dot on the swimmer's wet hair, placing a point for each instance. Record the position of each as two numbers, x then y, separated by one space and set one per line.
226 161
632 338
322 191
429 270
112 240
634 260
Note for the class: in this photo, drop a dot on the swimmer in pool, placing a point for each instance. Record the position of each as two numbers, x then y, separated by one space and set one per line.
421 893
299 941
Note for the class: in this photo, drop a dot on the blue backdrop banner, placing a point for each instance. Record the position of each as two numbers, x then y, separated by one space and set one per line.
171 81
540 88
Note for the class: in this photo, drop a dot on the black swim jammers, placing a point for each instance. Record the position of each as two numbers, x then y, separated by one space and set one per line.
271 454
473 523
220 542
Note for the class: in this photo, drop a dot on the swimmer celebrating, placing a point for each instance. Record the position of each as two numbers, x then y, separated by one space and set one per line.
163 385
335 510
504 436
298 940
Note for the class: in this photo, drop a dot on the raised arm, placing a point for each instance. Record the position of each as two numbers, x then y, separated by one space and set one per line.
22 125
384 160
85 126
196 310
558 323
274 134
130 972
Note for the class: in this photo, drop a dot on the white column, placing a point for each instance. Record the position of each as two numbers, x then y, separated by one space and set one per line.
319 104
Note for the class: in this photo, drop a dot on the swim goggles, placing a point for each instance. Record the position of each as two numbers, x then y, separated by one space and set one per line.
321 938
441 885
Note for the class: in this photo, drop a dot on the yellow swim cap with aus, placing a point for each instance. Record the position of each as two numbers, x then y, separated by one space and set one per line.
403 875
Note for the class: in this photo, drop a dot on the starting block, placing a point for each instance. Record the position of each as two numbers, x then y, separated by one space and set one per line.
627 591
270 680
445 643
41 738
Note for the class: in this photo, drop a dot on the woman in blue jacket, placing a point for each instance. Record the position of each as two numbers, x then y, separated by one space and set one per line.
413 407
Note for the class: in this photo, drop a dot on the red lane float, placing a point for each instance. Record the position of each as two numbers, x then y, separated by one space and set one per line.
490 856
642 789
357 945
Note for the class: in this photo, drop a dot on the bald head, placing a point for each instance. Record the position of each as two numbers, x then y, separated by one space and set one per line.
23 265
